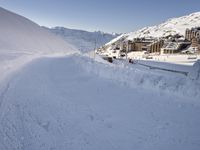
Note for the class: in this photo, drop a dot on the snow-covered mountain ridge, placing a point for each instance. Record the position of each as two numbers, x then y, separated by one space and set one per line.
170 27
21 35
21 40
78 103
83 40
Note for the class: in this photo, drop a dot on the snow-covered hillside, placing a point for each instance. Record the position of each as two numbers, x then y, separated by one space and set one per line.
18 34
76 103
21 40
83 40
170 27
73 102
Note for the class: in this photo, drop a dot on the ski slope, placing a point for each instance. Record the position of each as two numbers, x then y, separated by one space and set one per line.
52 97
19 34
22 40
65 103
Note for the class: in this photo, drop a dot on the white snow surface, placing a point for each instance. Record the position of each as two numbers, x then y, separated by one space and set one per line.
60 101
18 34
22 40
74 102
83 40
170 27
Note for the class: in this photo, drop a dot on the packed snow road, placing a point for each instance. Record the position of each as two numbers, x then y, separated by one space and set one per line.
76 103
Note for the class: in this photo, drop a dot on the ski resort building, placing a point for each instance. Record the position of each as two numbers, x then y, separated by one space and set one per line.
170 48
175 45
193 35
156 46
145 44
171 44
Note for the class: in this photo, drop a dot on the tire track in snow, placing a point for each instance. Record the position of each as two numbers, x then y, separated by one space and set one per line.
3 94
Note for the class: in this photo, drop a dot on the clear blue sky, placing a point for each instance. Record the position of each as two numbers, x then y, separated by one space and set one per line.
105 15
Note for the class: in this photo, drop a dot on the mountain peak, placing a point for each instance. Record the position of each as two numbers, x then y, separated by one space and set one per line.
172 26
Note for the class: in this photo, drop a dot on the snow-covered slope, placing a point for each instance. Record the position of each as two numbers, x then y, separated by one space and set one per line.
170 27
83 40
76 103
21 40
18 34
73 102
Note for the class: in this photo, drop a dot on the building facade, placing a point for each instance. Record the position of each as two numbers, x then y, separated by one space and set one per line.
149 45
156 46
193 35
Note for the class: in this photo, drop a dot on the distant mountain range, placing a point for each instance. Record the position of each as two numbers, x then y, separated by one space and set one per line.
170 27
83 40
21 35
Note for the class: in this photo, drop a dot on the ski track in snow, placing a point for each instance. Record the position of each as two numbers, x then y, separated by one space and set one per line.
2 95
74 102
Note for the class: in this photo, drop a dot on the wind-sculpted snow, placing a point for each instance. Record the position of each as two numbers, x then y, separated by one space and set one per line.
22 40
77 103
20 35
57 102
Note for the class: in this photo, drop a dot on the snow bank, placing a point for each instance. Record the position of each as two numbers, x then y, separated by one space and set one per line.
166 65
77 103
145 77
195 72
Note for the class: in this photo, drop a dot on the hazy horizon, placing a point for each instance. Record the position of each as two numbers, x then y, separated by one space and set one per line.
107 16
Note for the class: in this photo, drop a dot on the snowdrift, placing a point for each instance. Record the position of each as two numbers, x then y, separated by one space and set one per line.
76 103
195 72
139 76
22 40
18 34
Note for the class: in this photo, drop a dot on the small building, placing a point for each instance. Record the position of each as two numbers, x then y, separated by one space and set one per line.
170 48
